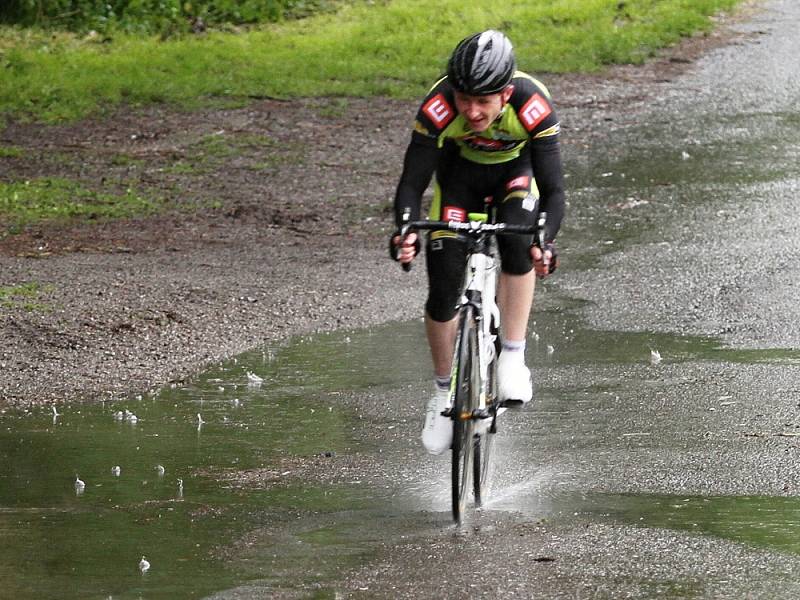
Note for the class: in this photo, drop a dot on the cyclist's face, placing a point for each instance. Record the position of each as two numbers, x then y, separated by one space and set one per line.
481 111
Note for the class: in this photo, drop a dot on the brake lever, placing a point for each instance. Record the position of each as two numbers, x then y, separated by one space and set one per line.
403 233
540 241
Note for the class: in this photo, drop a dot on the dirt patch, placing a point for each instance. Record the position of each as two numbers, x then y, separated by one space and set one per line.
277 221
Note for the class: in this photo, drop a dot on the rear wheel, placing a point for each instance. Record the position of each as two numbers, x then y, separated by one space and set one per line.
465 401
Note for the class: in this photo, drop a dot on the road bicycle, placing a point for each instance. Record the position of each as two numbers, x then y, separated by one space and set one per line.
474 405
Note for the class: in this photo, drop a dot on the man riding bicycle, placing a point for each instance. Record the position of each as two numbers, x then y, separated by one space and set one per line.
487 130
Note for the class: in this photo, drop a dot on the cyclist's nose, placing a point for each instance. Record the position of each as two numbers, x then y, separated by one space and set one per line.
473 113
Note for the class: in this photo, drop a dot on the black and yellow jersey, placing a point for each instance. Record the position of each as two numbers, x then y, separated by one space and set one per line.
528 115
527 125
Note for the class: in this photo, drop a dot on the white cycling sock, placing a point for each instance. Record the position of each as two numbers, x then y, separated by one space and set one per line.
514 346
442 383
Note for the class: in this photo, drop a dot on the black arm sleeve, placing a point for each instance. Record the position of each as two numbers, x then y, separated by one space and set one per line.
549 174
418 167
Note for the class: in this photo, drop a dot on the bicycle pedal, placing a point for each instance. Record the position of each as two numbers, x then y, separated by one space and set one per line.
481 413
512 404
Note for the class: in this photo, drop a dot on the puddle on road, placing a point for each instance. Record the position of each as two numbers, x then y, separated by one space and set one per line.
767 521
208 536
60 543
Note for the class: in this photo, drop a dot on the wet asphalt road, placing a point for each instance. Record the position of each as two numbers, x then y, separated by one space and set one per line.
630 479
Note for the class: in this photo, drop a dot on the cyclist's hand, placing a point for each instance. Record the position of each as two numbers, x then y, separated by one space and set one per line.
404 250
544 262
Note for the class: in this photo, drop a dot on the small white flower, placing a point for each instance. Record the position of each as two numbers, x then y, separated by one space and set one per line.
144 565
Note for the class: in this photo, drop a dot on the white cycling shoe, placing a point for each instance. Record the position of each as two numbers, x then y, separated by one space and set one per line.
514 383
437 433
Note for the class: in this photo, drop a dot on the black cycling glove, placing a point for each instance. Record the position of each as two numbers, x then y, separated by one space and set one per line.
394 251
551 246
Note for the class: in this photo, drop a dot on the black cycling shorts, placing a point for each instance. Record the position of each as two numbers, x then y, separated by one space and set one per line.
462 187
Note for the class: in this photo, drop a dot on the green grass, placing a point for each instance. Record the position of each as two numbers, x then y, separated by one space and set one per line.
212 150
51 199
10 152
23 295
161 17
124 160
393 48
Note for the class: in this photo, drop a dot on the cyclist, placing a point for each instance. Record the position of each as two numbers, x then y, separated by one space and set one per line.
486 130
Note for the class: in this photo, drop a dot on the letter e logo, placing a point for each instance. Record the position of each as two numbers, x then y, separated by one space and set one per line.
534 112
438 111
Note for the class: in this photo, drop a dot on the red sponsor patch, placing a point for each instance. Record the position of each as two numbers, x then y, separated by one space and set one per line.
521 182
438 111
534 112
485 143
454 213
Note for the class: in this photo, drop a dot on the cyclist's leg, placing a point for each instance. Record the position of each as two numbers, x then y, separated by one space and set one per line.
454 196
445 258
517 203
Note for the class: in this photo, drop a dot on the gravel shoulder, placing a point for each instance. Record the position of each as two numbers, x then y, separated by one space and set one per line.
279 213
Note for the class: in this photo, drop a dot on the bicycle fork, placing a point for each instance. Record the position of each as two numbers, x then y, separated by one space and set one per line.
480 293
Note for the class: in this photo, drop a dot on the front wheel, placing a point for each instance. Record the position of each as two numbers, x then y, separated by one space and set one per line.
467 374
484 441
482 465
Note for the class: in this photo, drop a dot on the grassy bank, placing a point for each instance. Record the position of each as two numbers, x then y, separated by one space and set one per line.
391 48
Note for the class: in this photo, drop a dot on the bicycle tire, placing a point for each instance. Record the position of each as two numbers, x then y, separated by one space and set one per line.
484 441
464 402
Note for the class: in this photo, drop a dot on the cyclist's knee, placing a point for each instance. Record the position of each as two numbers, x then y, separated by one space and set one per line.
445 258
441 307
515 256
